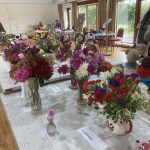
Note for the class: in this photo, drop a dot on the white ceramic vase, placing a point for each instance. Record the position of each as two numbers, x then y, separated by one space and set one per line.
118 128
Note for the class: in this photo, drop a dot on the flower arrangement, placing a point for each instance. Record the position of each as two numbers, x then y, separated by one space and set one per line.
11 54
46 42
64 52
121 96
83 62
31 66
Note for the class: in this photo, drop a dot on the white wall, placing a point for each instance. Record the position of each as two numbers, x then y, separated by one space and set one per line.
19 16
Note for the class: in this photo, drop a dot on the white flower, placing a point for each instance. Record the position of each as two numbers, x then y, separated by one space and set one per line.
104 76
82 71
114 70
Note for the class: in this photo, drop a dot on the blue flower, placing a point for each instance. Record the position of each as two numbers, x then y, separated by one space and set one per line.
134 75
113 82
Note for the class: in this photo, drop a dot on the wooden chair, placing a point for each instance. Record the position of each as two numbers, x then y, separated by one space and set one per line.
118 37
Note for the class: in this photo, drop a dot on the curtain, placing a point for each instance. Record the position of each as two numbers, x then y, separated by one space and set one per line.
102 5
61 15
112 8
74 13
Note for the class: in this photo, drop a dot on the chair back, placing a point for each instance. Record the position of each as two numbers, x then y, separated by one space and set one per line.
120 33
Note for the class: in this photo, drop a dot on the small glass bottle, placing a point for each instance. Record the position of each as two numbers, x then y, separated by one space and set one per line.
51 127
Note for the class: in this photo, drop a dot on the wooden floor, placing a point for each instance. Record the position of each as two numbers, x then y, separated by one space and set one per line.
7 140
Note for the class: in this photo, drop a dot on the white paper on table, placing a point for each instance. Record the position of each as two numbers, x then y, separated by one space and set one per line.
26 109
92 139
44 134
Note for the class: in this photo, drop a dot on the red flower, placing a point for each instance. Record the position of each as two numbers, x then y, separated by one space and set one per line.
90 100
122 81
114 88
85 86
123 90
118 78
97 94
109 96
119 96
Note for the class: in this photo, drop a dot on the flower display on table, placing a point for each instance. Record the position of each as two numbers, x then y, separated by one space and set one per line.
11 54
120 96
32 68
64 52
48 45
81 65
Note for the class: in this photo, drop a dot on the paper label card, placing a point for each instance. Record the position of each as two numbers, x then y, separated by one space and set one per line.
92 139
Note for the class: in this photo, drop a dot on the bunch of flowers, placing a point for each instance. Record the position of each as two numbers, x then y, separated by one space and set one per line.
82 63
31 66
11 54
46 42
64 52
121 96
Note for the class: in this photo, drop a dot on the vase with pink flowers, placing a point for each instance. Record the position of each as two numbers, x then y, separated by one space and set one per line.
31 68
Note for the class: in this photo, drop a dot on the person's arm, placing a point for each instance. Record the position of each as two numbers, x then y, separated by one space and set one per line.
147 34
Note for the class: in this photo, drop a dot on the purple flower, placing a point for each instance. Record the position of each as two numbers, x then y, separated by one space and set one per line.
113 82
85 51
73 81
91 68
78 50
134 75
51 113
76 61
102 90
63 69
15 58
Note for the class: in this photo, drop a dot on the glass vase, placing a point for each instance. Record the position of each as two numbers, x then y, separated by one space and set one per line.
51 127
35 96
80 99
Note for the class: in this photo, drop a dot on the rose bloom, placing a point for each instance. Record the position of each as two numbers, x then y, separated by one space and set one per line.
109 96
123 90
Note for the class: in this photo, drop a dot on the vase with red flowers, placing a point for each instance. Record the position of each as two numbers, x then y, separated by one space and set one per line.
121 96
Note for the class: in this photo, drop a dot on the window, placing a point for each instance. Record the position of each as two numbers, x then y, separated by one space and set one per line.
145 5
126 19
90 12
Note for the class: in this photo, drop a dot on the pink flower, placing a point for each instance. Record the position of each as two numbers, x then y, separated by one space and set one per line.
51 113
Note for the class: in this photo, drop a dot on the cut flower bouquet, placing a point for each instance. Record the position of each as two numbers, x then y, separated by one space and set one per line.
122 96
119 95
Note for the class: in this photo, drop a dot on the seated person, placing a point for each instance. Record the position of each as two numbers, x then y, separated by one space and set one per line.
144 69
2 28
131 64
